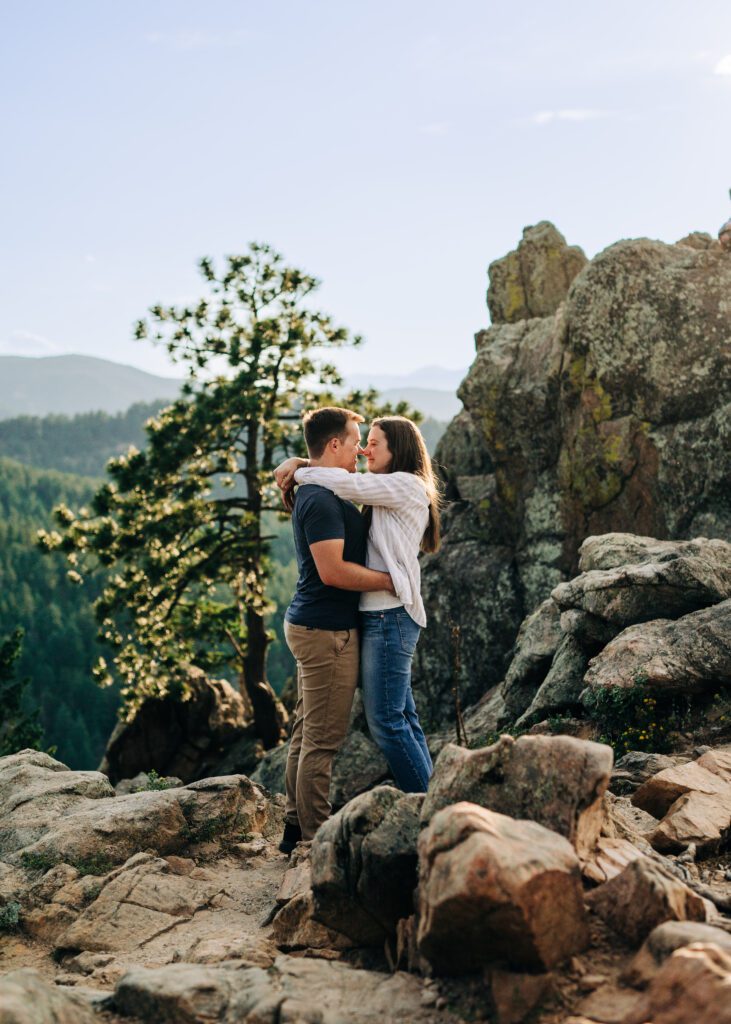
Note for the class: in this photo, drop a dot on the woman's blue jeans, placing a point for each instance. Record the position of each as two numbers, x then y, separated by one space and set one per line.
388 642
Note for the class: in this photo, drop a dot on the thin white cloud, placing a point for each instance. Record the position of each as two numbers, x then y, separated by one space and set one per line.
24 343
724 66
197 40
435 128
578 114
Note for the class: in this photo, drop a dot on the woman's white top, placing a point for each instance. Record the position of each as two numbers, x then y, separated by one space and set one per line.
400 517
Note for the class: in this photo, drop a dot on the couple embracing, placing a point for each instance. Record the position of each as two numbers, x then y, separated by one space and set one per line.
357 609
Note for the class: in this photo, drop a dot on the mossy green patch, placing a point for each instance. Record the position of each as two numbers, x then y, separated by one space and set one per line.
9 916
93 864
593 466
40 862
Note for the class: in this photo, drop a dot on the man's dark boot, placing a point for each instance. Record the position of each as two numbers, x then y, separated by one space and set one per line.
292 836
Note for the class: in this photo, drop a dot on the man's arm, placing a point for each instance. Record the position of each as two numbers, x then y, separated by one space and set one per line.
334 572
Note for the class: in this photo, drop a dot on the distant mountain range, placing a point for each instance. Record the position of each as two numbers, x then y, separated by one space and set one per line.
436 378
73 384
440 405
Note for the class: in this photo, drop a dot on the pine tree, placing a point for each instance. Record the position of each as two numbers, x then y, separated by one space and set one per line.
181 524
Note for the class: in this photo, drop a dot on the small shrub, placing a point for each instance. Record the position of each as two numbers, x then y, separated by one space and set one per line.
720 709
155 782
633 718
207 830
40 862
95 864
488 739
556 723
9 916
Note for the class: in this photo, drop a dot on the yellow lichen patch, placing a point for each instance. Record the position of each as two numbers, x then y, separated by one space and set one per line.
595 467
577 372
514 299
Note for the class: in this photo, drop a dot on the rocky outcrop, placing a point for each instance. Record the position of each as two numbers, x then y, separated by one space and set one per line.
692 985
492 888
643 896
142 899
191 913
636 766
557 781
662 942
660 791
533 280
27 998
292 990
210 733
364 865
599 401
601 631
690 655
665 584
51 815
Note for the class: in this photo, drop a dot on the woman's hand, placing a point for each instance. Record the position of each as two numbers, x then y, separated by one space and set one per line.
284 473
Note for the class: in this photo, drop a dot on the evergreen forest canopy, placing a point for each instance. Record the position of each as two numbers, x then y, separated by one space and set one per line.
60 645
81 444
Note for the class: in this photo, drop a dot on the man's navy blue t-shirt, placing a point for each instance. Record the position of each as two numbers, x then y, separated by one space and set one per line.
320 515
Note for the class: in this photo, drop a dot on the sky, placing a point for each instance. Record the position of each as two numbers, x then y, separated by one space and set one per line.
393 149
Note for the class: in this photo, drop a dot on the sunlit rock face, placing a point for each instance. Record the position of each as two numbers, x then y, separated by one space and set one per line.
599 401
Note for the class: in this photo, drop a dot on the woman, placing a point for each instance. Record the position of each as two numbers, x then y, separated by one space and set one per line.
402 502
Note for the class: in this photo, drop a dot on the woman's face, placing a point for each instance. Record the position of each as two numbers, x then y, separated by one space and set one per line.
376 451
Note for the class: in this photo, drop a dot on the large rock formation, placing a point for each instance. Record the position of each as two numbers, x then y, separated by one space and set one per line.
491 887
557 781
599 401
209 733
644 615
364 865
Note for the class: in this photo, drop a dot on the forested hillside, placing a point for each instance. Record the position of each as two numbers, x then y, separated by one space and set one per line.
81 444
60 633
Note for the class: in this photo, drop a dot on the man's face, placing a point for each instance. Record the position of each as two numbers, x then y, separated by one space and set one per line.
347 451
725 240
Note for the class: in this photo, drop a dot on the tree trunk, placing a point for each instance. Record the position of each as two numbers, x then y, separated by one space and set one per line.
270 716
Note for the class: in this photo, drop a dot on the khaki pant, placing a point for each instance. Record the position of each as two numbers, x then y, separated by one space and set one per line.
327 675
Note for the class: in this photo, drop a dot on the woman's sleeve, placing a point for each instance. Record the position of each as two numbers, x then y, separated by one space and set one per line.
391 490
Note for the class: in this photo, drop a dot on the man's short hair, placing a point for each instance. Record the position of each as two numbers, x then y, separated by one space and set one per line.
322 425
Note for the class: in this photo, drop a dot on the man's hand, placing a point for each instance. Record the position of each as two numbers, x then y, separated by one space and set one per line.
334 572
284 473
389 586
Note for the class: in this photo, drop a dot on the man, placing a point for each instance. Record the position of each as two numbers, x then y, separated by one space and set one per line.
321 623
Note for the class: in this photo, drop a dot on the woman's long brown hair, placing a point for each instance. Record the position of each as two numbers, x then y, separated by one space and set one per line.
409 455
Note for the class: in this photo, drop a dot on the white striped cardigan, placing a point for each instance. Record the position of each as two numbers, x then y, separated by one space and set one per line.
400 517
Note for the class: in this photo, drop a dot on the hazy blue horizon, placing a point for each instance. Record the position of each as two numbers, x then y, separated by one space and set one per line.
393 150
